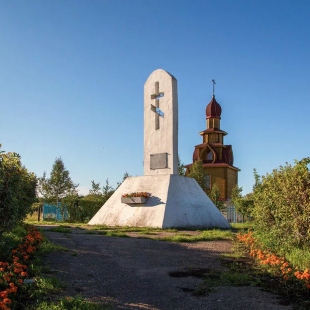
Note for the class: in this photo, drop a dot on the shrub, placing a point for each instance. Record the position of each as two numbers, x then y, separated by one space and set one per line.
83 209
17 191
282 206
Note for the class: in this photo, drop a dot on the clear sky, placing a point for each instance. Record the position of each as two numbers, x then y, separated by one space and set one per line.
72 76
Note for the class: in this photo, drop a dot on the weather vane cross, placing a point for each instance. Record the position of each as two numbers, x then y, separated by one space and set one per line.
213 81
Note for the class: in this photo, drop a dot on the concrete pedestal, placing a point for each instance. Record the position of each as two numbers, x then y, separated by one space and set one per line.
175 201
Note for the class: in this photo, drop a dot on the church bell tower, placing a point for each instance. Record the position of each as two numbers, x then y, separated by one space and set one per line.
217 158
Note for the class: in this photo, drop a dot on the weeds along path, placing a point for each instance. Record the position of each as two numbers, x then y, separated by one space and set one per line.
135 273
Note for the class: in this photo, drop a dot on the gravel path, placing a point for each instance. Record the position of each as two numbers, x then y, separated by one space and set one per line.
133 273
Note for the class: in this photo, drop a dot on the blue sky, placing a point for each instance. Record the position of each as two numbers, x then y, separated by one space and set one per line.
72 75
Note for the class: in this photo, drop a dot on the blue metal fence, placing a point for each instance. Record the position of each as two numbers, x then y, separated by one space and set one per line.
54 213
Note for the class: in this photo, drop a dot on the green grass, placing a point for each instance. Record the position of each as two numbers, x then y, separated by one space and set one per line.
176 236
47 247
76 303
61 229
206 235
47 285
113 233
214 279
299 258
242 226
148 232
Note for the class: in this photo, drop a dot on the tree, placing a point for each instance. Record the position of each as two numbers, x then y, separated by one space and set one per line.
59 185
214 195
125 176
108 190
95 188
197 172
244 204
181 167
17 190
257 179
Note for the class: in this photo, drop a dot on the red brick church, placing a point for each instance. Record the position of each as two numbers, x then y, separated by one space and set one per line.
217 158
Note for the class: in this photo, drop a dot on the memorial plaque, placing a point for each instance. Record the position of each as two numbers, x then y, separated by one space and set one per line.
159 161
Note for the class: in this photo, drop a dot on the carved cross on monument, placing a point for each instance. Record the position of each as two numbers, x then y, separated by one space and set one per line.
155 108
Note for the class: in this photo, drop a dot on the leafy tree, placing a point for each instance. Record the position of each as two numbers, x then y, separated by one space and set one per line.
197 172
244 204
181 167
282 206
214 195
59 185
17 190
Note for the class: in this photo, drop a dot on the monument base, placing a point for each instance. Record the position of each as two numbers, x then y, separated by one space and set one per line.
175 201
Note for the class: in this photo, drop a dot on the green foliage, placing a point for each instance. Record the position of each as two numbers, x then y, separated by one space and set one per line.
244 204
181 167
107 190
95 188
214 195
125 176
59 186
82 209
197 172
282 207
299 258
10 240
257 179
17 191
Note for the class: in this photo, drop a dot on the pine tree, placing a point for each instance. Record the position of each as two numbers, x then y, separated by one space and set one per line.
59 185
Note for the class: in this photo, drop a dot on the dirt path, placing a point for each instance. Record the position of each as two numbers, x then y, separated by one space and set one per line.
133 273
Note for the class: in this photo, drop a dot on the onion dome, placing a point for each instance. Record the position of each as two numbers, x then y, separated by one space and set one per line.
213 109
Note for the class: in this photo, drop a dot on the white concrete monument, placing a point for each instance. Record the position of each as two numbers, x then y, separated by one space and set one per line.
160 124
174 201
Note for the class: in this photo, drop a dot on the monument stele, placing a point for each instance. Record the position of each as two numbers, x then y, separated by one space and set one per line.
160 124
175 201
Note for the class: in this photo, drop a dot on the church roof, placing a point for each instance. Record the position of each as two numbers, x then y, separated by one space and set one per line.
213 109
214 130
227 155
